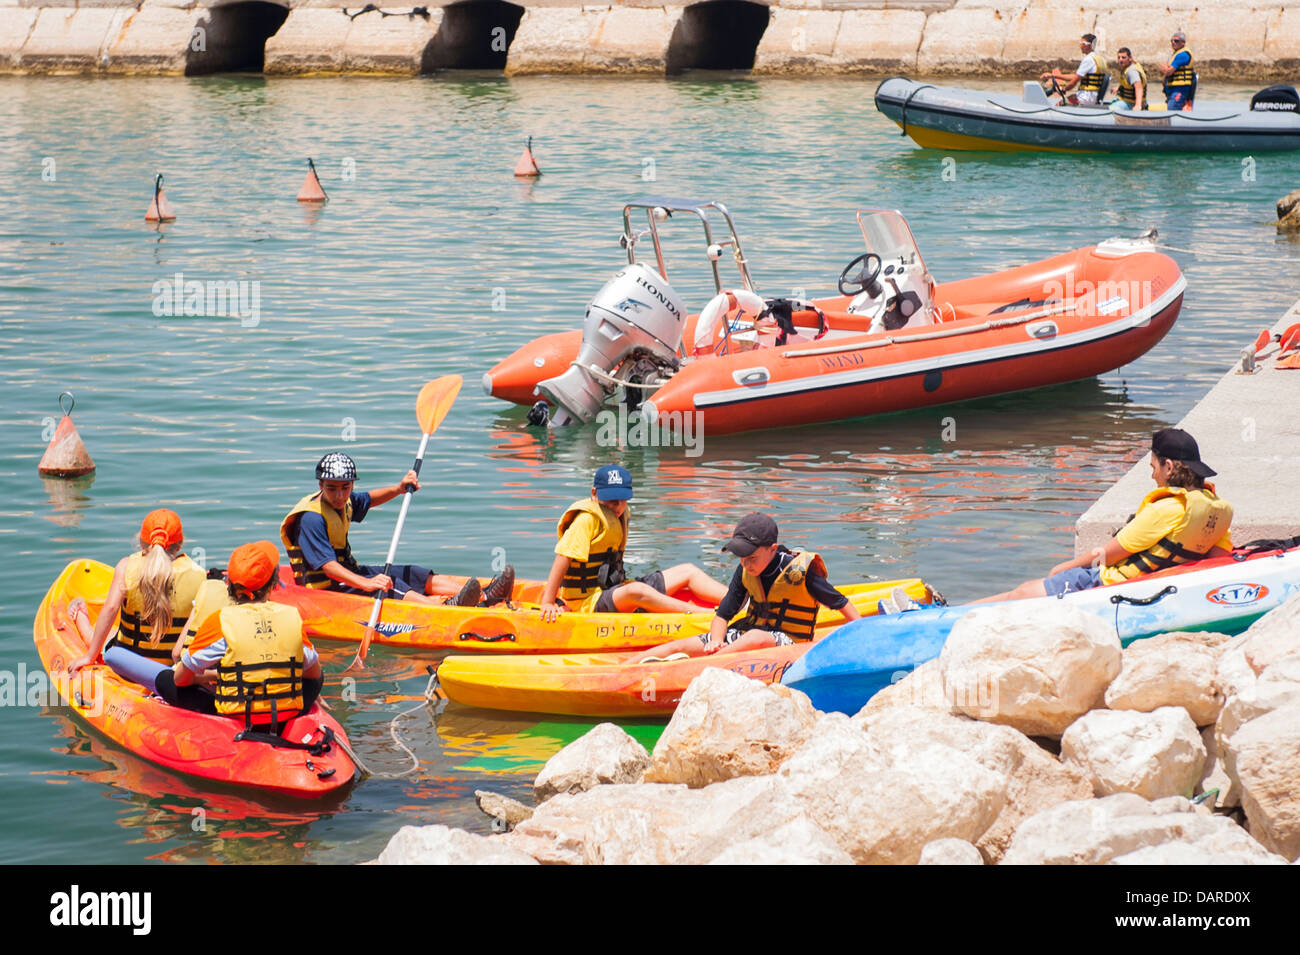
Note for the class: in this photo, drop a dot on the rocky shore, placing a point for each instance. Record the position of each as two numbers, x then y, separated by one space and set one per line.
1026 742
782 37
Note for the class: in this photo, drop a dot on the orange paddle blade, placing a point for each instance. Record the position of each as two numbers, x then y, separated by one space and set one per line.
1262 341
1290 338
435 400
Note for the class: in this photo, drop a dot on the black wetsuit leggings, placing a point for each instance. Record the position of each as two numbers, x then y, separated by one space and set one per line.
201 699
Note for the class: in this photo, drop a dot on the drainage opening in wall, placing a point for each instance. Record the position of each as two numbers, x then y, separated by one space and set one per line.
475 35
232 37
717 35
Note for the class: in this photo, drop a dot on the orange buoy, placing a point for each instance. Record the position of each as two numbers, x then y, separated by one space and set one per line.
66 455
527 165
1262 341
1291 361
160 210
311 190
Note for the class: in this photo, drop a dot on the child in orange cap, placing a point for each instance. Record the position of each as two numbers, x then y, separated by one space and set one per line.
253 653
149 599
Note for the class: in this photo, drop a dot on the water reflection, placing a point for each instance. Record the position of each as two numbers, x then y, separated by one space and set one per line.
68 498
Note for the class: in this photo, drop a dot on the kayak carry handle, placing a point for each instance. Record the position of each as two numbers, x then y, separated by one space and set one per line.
497 638
1144 601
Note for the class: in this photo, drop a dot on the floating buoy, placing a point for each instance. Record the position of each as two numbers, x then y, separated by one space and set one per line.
66 456
1292 361
311 190
527 165
160 210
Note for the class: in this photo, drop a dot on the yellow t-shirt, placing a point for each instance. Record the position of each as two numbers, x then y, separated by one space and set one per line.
576 542
1151 523
212 596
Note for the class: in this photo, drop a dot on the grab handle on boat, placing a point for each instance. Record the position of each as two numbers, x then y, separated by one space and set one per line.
484 638
1144 601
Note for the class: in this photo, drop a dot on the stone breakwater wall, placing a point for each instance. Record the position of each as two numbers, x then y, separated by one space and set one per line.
780 37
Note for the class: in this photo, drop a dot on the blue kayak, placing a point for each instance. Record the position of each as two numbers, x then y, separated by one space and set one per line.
1225 595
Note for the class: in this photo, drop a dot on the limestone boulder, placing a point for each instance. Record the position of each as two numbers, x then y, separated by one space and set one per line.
653 823
797 41
1263 697
1152 755
1097 831
797 842
950 852
962 41
879 41
1288 211
1036 669
883 809
442 845
1172 669
506 813
1034 778
728 725
551 40
921 687
604 754
1274 636
1232 674
1266 756
15 25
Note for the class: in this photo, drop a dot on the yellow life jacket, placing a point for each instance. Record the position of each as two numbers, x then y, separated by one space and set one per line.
1184 75
213 595
788 606
1205 520
134 630
260 674
1128 92
606 547
335 523
1093 81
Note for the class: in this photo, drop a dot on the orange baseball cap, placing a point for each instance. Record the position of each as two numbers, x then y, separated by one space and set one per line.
252 565
161 527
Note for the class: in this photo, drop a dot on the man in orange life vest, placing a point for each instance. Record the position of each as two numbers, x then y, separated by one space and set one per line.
315 536
1181 520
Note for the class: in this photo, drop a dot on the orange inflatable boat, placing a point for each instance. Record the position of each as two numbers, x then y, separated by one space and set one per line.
893 339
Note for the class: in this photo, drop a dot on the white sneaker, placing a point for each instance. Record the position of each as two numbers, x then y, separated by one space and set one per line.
900 599
886 605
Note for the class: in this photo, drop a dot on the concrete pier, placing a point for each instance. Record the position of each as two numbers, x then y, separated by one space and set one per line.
1248 430
780 37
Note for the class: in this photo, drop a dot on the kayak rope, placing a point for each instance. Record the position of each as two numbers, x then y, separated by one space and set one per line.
397 742
910 96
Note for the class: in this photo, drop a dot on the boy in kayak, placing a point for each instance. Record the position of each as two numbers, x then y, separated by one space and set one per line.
1181 520
1088 75
587 573
315 536
784 589
263 669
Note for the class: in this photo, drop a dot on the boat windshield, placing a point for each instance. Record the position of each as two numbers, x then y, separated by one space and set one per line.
887 234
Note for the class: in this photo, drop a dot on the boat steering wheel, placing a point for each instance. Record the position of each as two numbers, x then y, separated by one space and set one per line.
866 277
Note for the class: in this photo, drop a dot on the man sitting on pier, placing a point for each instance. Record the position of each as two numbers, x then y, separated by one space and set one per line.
1180 521
1089 75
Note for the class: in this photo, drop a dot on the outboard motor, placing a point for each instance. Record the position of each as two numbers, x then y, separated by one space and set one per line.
635 320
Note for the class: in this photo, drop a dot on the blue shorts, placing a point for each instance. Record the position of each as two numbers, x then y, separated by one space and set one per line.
1176 98
1072 581
405 577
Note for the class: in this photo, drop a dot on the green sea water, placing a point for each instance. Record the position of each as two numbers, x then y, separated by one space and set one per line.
431 259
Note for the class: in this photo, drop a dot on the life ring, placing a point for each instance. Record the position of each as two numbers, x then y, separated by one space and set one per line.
713 327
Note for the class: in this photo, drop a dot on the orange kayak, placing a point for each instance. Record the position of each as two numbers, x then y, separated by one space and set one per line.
177 739
332 615
900 341
610 684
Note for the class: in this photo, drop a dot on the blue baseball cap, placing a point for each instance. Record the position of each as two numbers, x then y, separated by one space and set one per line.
612 483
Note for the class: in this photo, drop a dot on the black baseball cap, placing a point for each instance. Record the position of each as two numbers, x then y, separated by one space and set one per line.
753 531
1173 444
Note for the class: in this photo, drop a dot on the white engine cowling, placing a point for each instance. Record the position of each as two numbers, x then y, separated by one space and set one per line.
635 311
